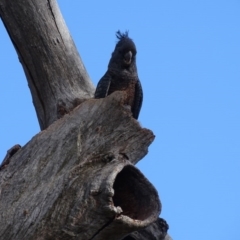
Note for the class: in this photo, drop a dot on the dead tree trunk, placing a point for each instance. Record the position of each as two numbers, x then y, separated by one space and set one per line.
75 179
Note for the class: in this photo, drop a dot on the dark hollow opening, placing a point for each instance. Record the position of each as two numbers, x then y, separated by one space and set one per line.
135 194
129 238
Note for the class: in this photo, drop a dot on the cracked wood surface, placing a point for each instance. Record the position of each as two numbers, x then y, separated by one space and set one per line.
75 179
155 231
40 197
56 75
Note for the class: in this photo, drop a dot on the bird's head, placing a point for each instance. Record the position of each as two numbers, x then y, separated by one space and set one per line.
124 54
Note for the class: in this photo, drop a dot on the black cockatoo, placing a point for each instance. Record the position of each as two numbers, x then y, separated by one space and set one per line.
122 74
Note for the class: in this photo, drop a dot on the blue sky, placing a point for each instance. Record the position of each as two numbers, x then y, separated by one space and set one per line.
189 65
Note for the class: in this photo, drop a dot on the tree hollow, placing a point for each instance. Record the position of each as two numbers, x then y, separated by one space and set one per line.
131 193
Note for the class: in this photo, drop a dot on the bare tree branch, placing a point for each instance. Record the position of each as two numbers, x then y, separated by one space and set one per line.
56 75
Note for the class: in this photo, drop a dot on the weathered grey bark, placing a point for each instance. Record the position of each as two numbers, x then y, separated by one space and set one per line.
155 231
74 180
56 75
8 156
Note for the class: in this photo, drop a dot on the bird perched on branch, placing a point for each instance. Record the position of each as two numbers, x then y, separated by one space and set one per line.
122 74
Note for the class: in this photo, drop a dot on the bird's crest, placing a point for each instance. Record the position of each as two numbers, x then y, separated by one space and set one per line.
125 41
120 36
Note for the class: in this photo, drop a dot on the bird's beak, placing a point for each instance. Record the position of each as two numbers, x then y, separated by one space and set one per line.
128 57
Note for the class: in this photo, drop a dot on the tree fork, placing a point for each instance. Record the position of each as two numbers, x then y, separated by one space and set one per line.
45 186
